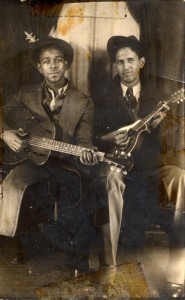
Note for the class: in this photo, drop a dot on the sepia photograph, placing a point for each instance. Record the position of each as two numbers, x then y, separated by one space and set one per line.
92 149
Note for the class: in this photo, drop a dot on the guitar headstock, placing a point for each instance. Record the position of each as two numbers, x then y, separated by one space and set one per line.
178 96
118 162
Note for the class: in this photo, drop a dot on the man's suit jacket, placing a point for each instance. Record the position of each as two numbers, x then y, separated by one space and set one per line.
111 113
75 119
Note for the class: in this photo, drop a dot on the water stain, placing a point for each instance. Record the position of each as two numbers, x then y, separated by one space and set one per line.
114 283
73 17
89 56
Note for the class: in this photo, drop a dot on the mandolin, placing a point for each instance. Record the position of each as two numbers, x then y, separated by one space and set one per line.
136 129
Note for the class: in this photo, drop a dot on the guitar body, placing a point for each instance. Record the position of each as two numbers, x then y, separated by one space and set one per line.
37 154
31 126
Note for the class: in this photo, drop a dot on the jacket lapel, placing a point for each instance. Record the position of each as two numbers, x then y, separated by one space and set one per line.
72 109
35 103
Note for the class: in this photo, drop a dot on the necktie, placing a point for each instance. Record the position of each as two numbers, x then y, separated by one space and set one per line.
131 99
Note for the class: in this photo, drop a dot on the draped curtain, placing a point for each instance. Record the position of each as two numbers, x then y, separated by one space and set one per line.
19 17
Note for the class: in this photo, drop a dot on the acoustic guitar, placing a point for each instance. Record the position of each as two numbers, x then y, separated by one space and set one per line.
41 143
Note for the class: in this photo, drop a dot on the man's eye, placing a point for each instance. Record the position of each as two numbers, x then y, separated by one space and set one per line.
46 61
130 60
59 60
119 62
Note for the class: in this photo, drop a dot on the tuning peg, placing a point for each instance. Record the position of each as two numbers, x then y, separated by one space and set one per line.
116 152
122 153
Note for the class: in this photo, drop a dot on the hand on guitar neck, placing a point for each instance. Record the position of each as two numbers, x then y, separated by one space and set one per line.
15 139
89 157
159 116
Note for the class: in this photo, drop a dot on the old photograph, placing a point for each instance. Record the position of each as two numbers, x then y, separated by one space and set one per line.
92 152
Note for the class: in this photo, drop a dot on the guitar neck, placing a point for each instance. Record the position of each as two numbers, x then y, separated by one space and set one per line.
178 96
61 147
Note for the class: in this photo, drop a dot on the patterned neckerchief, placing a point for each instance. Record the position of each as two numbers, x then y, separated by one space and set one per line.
53 101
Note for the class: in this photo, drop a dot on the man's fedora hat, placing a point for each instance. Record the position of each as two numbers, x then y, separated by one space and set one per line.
65 47
117 42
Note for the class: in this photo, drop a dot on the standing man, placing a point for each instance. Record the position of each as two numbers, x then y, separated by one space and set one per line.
126 100
57 107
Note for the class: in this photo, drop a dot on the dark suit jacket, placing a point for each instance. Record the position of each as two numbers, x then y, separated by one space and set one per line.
111 113
75 119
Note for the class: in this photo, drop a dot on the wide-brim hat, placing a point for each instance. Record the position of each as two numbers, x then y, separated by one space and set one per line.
117 42
65 47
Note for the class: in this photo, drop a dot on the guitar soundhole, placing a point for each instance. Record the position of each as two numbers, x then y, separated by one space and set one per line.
131 132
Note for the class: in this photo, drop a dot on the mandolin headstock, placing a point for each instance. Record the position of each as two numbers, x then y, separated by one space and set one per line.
178 96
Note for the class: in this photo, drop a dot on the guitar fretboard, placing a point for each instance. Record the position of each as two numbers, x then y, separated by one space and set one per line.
66 148
55 145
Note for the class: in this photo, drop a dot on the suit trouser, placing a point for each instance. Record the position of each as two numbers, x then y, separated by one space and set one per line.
174 182
111 189
14 185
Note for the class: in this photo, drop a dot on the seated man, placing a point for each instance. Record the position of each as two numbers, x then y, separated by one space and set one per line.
53 108
126 100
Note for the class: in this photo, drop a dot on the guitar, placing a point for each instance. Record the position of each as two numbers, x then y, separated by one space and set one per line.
136 129
42 143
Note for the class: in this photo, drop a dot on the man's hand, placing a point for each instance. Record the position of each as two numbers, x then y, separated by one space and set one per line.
88 157
159 117
14 139
116 139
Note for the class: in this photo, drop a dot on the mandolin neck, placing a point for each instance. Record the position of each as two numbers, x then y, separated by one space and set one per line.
176 97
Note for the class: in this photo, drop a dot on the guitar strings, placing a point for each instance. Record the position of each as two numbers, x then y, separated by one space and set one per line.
63 147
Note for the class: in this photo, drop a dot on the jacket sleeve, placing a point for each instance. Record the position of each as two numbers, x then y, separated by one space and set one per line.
84 131
9 113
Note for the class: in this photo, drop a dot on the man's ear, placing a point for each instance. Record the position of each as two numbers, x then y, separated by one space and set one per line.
39 68
142 62
66 64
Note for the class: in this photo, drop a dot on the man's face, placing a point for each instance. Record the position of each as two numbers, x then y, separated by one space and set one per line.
52 65
128 66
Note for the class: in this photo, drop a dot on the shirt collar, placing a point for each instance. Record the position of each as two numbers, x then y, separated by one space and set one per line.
136 90
61 91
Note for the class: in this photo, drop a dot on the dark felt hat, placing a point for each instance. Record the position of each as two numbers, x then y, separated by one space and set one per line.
65 47
117 42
